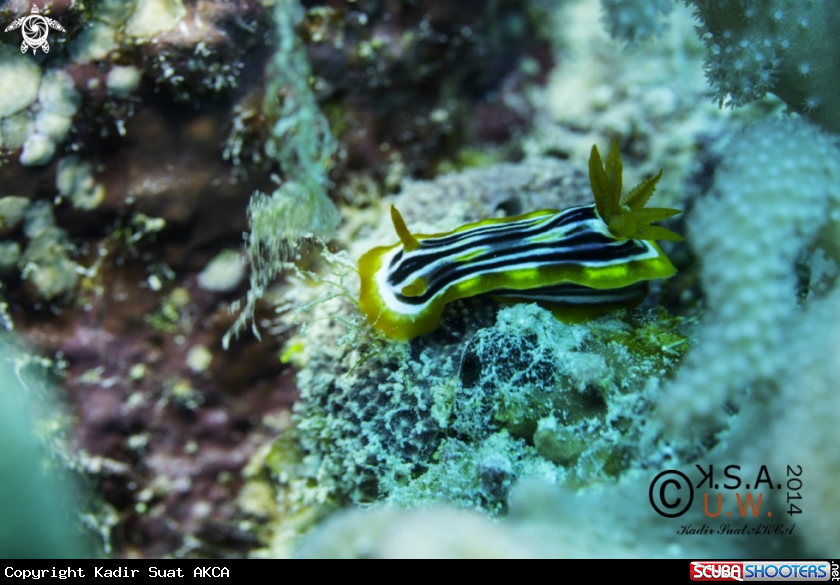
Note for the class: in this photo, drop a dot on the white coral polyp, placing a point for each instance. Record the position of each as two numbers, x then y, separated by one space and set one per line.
749 233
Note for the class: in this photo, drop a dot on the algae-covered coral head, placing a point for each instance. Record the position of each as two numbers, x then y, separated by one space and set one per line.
580 262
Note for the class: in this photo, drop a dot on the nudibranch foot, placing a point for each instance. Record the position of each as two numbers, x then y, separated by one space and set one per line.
572 303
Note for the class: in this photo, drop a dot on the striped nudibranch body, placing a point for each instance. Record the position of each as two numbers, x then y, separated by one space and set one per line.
565 260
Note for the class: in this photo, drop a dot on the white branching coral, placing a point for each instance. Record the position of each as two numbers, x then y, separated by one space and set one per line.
772 195
807 410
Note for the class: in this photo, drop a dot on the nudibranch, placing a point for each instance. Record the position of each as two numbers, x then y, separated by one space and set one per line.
580 262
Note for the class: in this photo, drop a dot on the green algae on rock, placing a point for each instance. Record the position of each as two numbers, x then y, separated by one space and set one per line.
46 261
301 143
36 108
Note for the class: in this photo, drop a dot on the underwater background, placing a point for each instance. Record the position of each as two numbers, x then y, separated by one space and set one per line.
186 190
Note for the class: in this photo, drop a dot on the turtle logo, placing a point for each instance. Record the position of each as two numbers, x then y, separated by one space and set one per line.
35 30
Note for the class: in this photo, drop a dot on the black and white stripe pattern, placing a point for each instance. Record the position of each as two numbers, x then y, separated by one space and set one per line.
521 248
